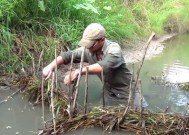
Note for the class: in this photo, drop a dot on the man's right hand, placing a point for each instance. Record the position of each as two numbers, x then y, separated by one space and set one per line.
47 71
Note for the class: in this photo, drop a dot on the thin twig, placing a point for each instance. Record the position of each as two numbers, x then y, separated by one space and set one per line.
52 103
132 93
86 91
56 73
33 65
11 95
141 97
69 89
103 89
78 80
42 95
128 104
138 72
40 60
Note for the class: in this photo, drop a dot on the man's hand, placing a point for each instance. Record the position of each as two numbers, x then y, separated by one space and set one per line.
69 78
47 71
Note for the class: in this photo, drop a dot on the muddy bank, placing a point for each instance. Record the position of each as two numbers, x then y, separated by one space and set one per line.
134 52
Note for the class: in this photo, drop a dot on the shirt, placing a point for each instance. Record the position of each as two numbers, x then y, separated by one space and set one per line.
116 75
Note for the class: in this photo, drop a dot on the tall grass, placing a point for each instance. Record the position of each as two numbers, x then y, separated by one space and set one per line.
8 60
46 25
161 16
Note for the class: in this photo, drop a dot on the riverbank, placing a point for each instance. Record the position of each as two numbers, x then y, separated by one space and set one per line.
134 52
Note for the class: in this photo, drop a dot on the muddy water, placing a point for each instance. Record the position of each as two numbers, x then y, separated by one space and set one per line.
168 69
17 116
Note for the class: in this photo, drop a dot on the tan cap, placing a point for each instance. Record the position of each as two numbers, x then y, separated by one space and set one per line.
93 32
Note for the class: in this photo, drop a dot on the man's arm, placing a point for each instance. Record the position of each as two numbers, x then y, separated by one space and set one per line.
92 69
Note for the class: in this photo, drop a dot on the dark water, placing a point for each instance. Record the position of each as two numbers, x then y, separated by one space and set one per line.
17 116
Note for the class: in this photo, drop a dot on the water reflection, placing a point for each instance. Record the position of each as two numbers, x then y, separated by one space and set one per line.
176 73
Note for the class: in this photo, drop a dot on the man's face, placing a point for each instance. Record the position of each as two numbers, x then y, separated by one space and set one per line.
97 46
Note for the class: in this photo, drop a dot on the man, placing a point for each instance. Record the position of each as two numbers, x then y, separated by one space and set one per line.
103 56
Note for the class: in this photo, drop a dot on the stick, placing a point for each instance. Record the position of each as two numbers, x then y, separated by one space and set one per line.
40 60
141 98
78 80
42 95
128 104
103 90
69 89
131 96
56 73
11 95
86 91
52 103
33 64
138 72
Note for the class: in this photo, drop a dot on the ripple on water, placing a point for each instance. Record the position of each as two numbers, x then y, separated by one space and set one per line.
176 73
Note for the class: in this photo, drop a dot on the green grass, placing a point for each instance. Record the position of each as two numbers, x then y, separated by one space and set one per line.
49 25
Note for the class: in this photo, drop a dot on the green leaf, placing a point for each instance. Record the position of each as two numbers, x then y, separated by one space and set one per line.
86 6
41 5
107 8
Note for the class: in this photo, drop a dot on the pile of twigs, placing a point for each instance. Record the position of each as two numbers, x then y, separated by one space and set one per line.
109 118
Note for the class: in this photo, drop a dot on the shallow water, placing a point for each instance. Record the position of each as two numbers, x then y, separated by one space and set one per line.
18 116
172 66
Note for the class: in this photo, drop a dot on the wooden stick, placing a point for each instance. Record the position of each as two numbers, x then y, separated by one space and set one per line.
128 104
56 73
40 60
52 103
69 89
33 65
132 93
138 72
42 96
86 91
11 95
141 97
78 80
103 89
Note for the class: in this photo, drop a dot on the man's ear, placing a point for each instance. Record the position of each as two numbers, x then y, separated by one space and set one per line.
103 39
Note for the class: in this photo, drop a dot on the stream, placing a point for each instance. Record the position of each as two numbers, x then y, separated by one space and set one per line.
159 76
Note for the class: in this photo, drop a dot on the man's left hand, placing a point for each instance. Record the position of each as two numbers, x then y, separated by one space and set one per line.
70 77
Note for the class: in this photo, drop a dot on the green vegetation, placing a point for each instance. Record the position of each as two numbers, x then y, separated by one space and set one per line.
27 27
